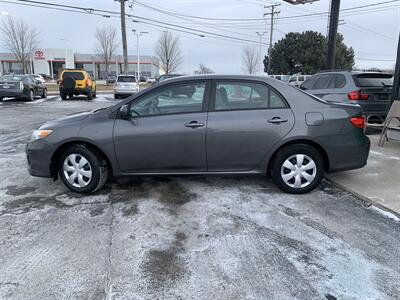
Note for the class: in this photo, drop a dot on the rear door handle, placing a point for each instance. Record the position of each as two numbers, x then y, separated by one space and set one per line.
277 120
194 124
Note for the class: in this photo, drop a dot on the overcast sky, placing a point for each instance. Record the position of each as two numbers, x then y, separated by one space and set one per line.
372 32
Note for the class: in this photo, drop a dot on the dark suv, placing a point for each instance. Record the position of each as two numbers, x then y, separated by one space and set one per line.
372 91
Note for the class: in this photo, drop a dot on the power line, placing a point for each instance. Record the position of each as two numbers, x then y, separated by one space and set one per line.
287 17
93 11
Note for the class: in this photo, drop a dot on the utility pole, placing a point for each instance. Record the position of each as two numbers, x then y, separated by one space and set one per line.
123 31
396 81
272 13
332 35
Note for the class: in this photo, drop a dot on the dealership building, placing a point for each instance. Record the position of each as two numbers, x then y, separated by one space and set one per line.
52 61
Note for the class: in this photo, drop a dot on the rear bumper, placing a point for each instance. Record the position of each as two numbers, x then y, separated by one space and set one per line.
38 154
11 93
344 158
75 91
126 91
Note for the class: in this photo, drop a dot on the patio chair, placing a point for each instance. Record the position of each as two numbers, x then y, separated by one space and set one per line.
391 126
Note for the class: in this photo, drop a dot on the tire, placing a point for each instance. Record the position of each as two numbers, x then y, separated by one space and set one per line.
44 95
94 170
1 99
90 95
31 96
290 161
63 95
94 94
116 96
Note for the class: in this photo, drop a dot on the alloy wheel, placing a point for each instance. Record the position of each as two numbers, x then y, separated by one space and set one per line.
77 170
298 171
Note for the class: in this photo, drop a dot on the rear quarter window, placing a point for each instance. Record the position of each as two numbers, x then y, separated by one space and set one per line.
373 80
74 75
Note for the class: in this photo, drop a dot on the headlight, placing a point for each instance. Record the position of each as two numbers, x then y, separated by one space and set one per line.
40 134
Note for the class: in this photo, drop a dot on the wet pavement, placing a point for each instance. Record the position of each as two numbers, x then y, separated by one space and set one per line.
181 237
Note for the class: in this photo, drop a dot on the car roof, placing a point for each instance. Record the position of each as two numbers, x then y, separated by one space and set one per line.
218 76
351 72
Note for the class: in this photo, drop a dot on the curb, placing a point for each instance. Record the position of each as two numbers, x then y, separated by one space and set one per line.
368 202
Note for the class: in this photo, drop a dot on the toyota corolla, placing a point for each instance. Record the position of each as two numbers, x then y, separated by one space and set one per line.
209 124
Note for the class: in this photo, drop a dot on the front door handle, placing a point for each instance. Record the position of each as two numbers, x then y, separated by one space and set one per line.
194 124
277 120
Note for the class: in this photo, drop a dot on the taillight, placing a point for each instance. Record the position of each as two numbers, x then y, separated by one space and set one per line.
358 122
357 95
21 85
87 82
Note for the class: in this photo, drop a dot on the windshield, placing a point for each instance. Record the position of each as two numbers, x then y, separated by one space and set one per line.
11 77
373 80
285 77
126 79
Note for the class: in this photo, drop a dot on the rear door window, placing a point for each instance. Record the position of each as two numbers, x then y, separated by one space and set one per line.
373 80
74 75
126 79
325 81
340 81
308 84
246 95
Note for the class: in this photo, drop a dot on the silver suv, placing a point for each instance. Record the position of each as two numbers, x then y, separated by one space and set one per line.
371 90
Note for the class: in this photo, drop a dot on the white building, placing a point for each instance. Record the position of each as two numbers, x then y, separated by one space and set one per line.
52 61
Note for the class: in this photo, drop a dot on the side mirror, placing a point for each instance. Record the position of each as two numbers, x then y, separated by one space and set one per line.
123 112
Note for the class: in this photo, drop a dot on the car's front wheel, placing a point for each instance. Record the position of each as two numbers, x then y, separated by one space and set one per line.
297 169
82 170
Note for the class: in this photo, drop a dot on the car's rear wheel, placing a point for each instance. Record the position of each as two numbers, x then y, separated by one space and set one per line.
44 95
82 170
297 169
90 95
94 94
63 95
116 96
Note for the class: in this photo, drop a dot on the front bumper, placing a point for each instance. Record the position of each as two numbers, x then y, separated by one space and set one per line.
39 154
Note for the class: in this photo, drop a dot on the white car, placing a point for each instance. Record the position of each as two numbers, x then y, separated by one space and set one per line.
297 80
125 85
39 78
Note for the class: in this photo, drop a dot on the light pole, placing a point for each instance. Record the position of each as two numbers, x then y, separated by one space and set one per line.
261 34
138 34
66 51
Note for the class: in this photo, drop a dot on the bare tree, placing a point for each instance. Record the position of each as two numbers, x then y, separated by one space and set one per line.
251 60
19 38
168 52
106 44
203 70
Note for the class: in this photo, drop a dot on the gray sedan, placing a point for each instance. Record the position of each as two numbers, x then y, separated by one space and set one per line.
210 124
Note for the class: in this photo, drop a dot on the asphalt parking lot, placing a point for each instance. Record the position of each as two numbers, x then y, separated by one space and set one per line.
181 237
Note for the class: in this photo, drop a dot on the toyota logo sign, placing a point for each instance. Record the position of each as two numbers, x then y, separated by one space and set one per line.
39 54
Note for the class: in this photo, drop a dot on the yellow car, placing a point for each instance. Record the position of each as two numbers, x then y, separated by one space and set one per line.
74 82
